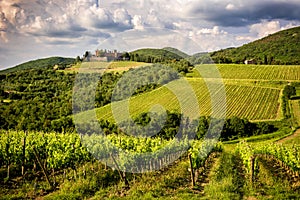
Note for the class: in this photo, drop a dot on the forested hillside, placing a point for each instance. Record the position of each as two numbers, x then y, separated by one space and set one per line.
281 48
154 55
41 64
177 52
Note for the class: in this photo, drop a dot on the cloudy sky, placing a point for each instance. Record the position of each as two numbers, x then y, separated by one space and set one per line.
31 29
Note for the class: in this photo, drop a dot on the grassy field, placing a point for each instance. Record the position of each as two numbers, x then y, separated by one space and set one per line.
116 66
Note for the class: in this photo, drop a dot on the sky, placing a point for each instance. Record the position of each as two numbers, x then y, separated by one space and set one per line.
31 29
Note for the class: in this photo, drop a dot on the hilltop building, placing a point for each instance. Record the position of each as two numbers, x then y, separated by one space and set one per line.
103 56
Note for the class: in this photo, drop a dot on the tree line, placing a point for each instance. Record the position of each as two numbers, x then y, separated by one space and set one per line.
177 125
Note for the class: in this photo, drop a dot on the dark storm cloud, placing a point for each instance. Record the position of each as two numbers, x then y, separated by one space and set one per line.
249 14
111 26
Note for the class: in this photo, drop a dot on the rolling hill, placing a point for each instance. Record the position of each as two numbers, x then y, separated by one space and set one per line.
177 52
279 48
157 55
200 58
40 63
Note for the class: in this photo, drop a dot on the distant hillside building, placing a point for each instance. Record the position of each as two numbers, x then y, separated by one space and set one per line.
250 62
103 56
106 55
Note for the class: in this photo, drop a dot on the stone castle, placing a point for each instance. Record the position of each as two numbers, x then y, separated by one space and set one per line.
104 56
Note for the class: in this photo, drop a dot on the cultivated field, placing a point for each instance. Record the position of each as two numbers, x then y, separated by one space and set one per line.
252 92
256 72
295 104
116 66
254 103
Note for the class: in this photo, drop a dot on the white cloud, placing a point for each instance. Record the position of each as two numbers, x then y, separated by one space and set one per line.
121 16
153 19
245 38
214 31
138 22
213 39
289 25
266 28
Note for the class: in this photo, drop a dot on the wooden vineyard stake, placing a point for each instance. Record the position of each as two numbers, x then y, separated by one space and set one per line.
42 167
23 155
123 178
252 169
7 146
192 171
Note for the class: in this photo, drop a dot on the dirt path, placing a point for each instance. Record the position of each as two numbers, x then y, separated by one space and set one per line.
291 137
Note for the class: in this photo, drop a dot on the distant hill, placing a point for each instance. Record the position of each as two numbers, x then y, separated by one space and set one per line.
279 48
200 58
176 51
156 55
41 64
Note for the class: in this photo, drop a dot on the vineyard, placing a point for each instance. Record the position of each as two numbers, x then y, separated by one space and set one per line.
257 98
255 72
61 159
62 151
254 103
295 104
283 162
120 165
28 154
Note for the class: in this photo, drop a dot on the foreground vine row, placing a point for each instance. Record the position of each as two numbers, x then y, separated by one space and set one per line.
288 156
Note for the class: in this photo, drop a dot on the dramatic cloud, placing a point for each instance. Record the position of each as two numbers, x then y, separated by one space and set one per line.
38 28
241 13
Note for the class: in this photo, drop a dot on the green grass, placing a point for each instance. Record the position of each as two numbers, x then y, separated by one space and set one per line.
271 182
127 64
170 183
295 106
297 91
293 139
225 179
263 138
